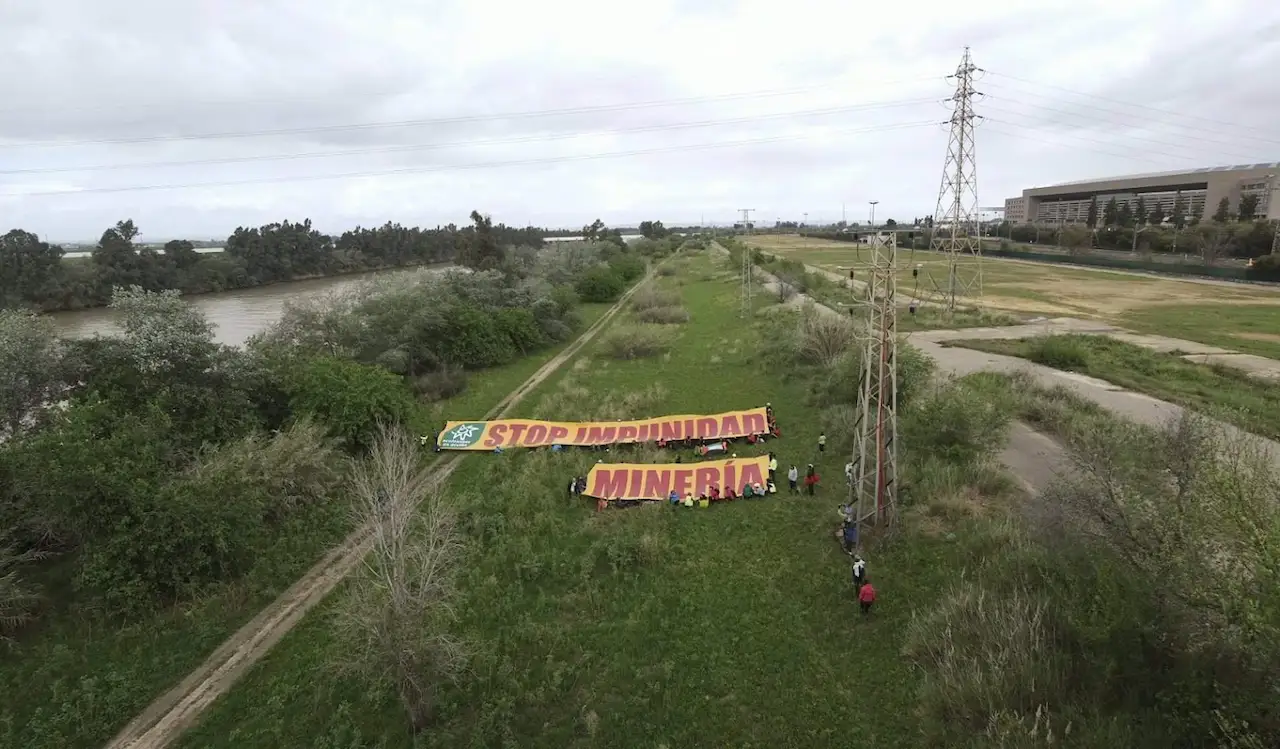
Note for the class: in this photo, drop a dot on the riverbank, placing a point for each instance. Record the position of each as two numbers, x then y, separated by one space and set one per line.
240 313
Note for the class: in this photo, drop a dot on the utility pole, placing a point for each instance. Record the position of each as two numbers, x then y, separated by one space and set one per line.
875 456
958 198
746 311
843 222
806 219
873 215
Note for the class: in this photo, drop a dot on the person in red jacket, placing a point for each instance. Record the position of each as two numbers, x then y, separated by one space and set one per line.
866 597
811 479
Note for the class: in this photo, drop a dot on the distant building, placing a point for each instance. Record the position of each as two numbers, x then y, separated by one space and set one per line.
1201 189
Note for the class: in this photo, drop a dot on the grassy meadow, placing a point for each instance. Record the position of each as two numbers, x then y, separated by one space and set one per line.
73 682
1237 317
652 626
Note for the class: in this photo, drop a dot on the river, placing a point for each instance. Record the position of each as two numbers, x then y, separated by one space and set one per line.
236 315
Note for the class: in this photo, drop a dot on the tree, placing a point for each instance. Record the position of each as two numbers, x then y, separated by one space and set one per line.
1111 214
480 250
349 398
890 224
1092 220
165 334
182 253
1125 216
29 269
1140 211
1223 214
592 231
1077 239
1179 215
653 230
34 368
396 617
1248 206
1157 216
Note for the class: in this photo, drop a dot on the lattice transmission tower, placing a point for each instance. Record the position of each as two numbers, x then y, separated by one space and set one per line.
745 313
956 230
875 454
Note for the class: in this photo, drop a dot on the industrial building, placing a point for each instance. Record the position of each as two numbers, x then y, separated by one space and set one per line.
1200 189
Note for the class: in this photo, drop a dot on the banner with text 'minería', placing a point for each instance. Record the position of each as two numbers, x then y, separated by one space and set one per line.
648 481
508 433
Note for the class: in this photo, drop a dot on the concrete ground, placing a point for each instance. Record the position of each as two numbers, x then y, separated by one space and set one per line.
1034 458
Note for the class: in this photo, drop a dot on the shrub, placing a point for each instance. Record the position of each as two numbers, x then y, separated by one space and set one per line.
599 284
663 315
650 297
1059 351
440 384
636 342
823 337
18 600
628 266
350 398
666 270
956 423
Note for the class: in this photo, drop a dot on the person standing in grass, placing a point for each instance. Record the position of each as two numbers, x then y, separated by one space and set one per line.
811 480
773 466
859 572
866 597
822 442
793 476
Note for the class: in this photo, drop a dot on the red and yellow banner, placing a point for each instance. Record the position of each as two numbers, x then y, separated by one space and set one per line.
648 481
509 433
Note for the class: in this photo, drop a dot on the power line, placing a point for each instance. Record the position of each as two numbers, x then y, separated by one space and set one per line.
1122 102
458 119
461 167
988 122
1139 122
469 143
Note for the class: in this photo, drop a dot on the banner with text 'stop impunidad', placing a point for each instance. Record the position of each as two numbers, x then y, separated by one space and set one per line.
509 433
650 481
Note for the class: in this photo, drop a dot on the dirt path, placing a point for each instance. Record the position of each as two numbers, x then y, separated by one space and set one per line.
172 713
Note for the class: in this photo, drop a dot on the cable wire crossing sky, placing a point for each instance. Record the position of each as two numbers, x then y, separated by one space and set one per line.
193 119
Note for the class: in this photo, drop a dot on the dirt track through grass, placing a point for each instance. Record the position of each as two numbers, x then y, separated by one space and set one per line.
173 712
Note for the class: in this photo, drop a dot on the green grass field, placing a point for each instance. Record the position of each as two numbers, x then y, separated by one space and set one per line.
75 680
652 626
1238 317
1220 391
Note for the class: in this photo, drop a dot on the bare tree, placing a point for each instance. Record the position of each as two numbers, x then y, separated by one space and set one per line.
397 616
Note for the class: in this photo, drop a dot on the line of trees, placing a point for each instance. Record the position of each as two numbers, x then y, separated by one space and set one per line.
36 275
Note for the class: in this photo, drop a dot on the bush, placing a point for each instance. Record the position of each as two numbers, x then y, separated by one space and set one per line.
956 423
824 337
1066 352
663 315
349 398
628 266
599 284
440 384
636 342
1265 268
650 297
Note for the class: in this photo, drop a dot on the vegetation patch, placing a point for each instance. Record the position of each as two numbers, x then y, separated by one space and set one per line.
582 625
1224 392
636 342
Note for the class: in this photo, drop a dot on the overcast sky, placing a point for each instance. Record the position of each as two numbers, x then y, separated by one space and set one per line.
683 109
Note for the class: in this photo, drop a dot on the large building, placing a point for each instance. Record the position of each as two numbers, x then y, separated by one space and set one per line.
1200 189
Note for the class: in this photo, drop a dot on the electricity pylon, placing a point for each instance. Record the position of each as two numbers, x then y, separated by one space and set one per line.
956 231
745 313
875 456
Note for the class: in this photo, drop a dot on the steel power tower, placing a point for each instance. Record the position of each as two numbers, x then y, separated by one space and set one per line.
956 227
745 313
875 456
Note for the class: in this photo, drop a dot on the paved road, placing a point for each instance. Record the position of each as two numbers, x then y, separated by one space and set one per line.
1032 457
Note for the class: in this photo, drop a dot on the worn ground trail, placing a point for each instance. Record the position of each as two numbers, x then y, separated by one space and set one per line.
176 710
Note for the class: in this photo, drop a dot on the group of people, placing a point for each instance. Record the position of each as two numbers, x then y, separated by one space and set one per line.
713 494
849 540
